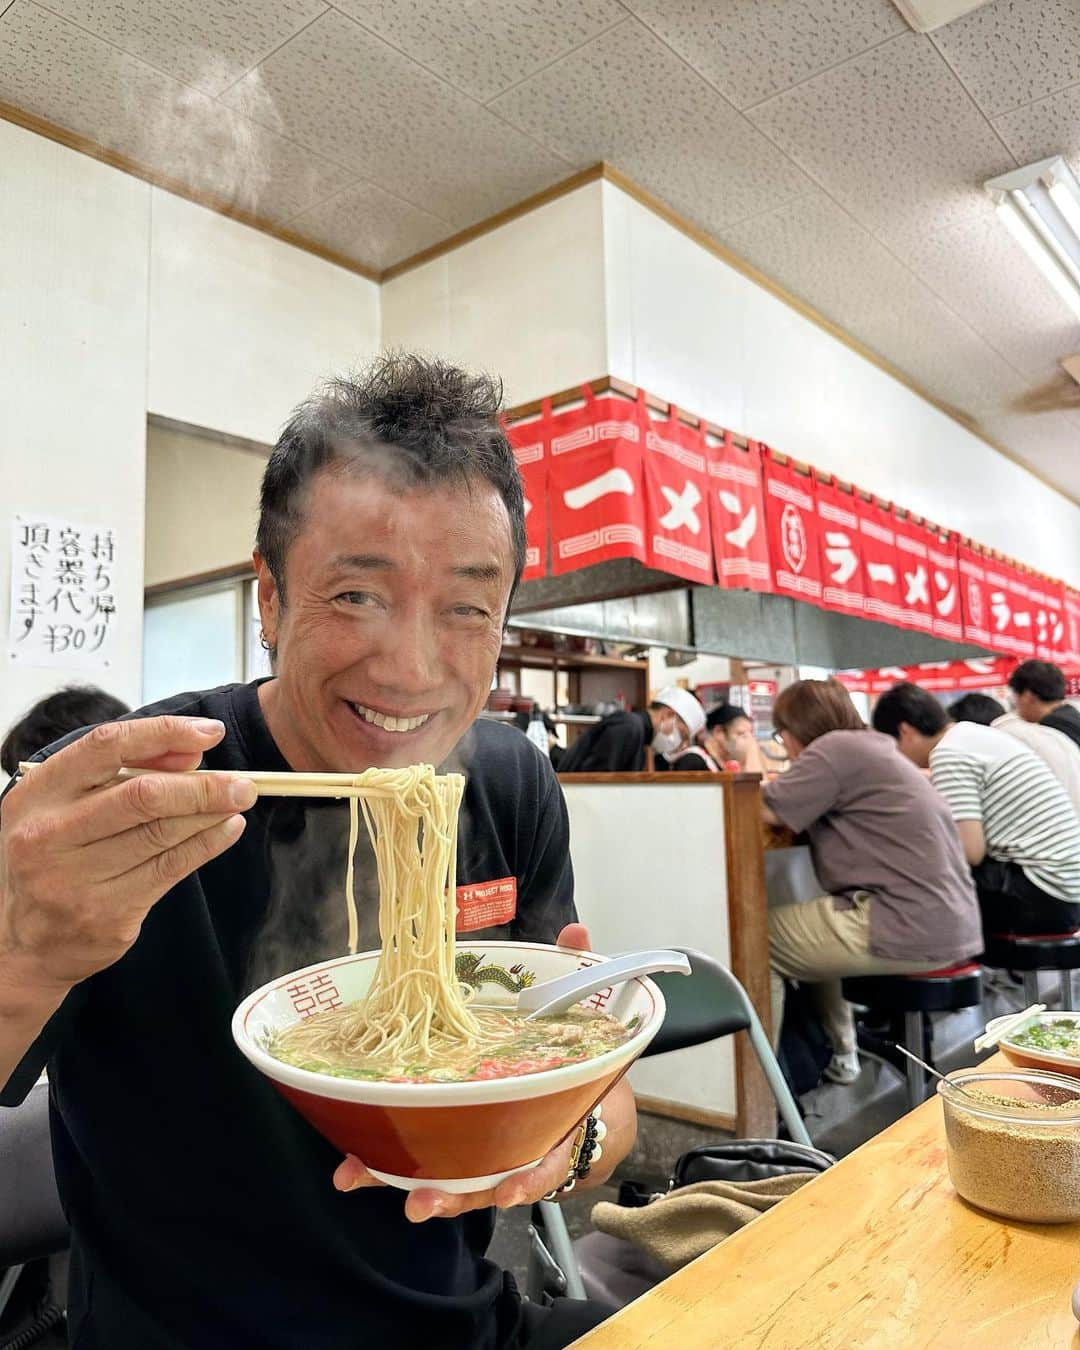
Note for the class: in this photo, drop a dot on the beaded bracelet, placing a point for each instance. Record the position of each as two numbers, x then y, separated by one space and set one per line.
586 1150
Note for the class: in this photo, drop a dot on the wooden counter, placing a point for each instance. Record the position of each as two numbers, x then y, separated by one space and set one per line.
878 1252
676 859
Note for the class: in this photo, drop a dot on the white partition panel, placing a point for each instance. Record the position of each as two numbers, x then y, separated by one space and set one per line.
649 861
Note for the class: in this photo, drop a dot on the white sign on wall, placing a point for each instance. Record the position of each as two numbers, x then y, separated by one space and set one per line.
63 597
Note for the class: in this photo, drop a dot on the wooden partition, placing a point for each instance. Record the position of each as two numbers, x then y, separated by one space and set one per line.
676 859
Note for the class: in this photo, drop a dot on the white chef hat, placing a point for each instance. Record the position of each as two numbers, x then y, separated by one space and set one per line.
685 704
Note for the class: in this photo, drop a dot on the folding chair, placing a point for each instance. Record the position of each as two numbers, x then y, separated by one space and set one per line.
32 1223
703 1006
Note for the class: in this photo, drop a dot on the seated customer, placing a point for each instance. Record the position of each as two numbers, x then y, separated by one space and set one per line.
1060 755
729 736
618 742
54 716
1039 691
1018 828
899 895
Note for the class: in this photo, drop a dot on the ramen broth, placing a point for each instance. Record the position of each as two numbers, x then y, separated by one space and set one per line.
509 1046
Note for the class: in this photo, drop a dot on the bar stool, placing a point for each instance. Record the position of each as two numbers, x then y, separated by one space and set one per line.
1031 953
946 990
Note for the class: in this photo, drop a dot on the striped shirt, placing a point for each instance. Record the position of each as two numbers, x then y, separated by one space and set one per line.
1026 815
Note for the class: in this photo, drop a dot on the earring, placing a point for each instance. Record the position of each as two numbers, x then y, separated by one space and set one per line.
264 642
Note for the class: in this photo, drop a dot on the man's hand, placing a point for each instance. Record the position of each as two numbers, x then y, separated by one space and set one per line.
522 1188
83 858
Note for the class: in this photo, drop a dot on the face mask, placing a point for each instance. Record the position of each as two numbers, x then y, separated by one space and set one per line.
666 742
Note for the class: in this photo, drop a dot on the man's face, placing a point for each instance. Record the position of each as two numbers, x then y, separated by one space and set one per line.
392 624
738 735
914 745
1028 706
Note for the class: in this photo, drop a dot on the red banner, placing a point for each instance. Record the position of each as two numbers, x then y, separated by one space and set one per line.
913 541
940 676
737 511
676 498
880 561
974 595
792 525
1048 602
1072 627
530 441
1012 624
946 589
840 546
596 497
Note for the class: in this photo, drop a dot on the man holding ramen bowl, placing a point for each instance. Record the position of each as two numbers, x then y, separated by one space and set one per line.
204 1211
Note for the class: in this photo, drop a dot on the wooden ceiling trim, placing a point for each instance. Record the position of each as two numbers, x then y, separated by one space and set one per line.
83 145
51 131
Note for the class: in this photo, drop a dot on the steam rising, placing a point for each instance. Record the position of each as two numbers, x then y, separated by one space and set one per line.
227 155
307 842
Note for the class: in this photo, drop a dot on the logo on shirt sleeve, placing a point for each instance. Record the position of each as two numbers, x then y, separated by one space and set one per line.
486 904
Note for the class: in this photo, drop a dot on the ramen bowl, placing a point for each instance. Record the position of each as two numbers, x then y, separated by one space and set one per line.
1021 1047
461 1136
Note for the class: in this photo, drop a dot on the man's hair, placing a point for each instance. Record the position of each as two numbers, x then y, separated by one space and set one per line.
50 718
1041 678
724 714
908 703
979 708
811 708
411 420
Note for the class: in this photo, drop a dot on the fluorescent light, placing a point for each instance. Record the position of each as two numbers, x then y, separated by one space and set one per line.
1040 206
1068 203
926 15
1014 221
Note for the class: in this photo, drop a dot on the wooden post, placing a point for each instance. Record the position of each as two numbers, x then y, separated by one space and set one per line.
749 935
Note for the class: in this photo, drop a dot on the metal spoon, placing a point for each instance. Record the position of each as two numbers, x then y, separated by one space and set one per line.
553 996
930 1069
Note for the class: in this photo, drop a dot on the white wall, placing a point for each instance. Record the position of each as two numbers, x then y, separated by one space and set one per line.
243 326
525 301
74 256
692 329
117 300
637 888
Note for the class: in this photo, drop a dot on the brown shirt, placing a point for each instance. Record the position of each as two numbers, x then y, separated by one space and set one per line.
877 825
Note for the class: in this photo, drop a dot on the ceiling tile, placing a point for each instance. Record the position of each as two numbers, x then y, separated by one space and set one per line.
484 46
626 98
752 49
205 43
979 270
1049 127
814 249
1014 51
370 225
1048 442
67 76
348 95
892 135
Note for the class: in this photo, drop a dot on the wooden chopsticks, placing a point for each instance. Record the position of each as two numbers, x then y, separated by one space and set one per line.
271 783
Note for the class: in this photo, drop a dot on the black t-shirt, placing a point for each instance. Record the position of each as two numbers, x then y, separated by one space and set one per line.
201 1205
1065 719
615 745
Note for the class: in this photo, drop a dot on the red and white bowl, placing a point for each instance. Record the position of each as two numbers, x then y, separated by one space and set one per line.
456 1136
1031 1056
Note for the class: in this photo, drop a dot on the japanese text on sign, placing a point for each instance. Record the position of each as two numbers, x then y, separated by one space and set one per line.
63 606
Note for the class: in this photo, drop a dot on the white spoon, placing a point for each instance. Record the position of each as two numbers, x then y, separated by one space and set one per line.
553 996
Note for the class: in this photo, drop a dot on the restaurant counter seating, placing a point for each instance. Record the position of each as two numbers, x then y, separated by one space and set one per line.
705 1005
32 1223
1030 954
946 990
